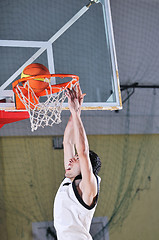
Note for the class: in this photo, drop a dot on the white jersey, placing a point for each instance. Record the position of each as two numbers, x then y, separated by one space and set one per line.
72 217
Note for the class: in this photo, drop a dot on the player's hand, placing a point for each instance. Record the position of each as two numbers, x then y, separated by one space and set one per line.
75 99
73 102
80 95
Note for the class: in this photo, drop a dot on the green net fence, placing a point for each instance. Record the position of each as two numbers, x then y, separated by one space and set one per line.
31 171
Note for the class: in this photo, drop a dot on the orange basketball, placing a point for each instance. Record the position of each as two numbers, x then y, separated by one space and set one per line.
35 69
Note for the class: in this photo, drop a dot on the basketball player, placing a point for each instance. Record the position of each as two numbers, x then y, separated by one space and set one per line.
76 199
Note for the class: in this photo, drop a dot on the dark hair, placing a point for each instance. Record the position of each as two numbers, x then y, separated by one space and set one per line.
95 161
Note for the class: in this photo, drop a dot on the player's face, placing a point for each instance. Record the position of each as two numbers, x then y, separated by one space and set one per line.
73 168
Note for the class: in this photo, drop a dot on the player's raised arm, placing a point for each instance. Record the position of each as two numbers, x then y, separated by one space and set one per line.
69 139
68 142
88 184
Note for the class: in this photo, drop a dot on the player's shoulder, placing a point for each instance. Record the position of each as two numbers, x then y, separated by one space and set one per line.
65 182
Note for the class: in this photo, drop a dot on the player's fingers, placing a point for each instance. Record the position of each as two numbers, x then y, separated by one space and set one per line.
74 92
79 92
71 94
68 93
79 89
82 98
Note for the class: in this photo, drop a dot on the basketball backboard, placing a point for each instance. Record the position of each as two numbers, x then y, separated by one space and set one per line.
71 37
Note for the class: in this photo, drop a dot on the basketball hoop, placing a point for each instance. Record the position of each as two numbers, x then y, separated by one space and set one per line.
28 96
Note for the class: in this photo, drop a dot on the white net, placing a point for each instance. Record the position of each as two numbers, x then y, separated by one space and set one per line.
43 113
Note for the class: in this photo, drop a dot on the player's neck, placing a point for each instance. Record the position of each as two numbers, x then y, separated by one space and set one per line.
78 177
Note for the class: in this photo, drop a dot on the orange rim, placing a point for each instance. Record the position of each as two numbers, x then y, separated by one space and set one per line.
55 87
47 91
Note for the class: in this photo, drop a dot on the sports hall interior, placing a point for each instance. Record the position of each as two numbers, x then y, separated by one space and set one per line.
127 140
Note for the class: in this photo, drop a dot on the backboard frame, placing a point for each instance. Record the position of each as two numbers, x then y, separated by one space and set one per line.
47 46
